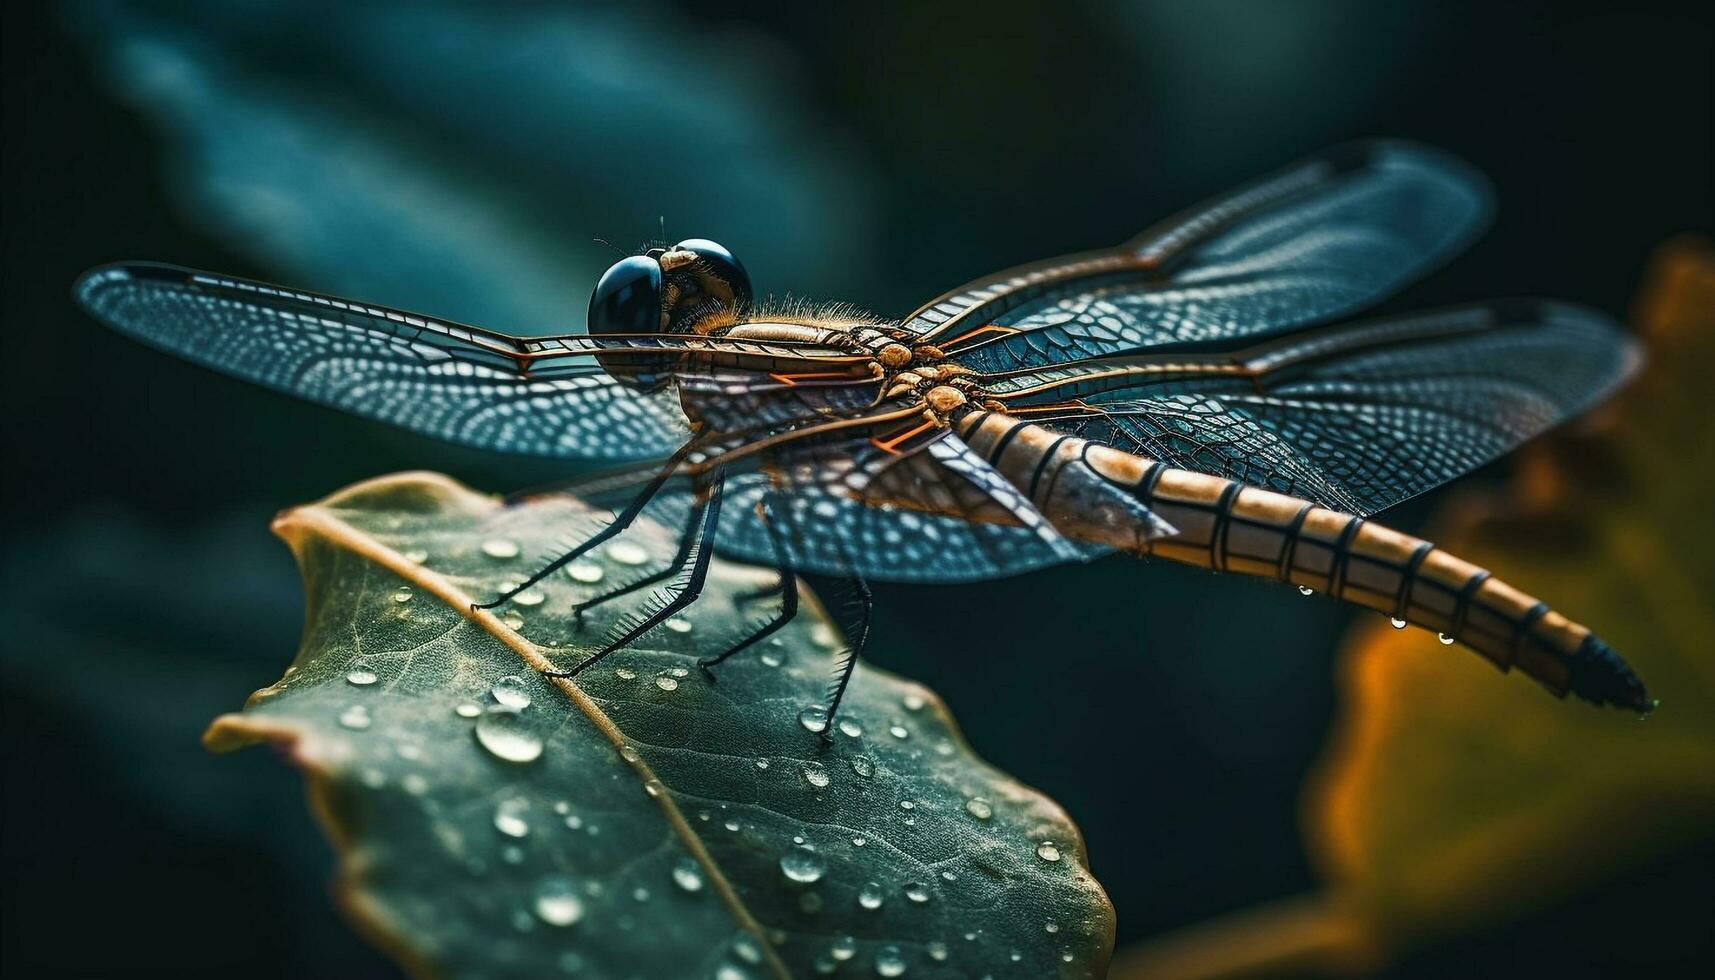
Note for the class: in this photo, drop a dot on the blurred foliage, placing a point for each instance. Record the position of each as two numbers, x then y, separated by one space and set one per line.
643 821
1447 801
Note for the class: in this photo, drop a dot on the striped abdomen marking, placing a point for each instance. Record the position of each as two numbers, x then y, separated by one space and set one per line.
1227 526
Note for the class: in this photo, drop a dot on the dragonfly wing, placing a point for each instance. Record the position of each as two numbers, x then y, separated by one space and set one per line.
1322 239
834 509
433 376
1361 416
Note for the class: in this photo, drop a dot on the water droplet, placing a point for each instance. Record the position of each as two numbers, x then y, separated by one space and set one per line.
889 962
510 691
585 573
824 635
1396 623
557 904
503 733
917 893
1306 590
627 553
529 598
403 594
653 787
629 753
1047 851
1052 927
844 948
802 866
814 719
688 875
859 841
913 701
978 807
762 763
666 683
468 709
938 951
416 557
870 895
574 821
625 673
907 805
731 825
361 673
640 893
512 620
746 947
355 718
850 729
772 658
863 767
678 625
509 818
500 548
414 784
816 776
1444 638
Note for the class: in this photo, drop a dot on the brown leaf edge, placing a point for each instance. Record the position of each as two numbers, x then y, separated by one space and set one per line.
327 798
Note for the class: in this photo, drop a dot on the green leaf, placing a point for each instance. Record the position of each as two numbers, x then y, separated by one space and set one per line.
642 822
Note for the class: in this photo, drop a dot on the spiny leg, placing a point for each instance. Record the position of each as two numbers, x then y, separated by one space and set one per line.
684 597
857 637
620 522
687 541
786 587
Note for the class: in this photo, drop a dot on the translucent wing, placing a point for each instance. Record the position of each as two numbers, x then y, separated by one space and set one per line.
833 507
1357 416
459 383
1321 239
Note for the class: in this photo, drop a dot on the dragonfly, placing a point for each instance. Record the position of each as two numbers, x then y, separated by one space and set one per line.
1203 393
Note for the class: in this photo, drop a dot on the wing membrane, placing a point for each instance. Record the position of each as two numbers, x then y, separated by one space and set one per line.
1321 239
833 508
1361 416
444 379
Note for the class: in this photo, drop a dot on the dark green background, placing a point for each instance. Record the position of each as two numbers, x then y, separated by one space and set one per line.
1171 712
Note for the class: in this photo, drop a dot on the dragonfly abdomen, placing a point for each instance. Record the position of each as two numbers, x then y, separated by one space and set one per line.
1228 526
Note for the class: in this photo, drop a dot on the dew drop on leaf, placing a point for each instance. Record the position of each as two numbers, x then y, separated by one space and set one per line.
816 776
814 719
889 962
688 875
978 807
511 692
869 896
583 572
1444 638
509 818
402 594
938 951
557 903
1396 623
844 948
355 718
666 683
678 625
802 866
361 673
500 549
529 598
917 893
850 729
503 733
1306 590
627 553
863 767
1047 851
468 709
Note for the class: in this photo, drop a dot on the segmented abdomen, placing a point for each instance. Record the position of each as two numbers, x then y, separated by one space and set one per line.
1227 526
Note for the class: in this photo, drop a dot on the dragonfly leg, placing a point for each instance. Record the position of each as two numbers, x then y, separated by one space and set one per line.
857 637
620 522
687 541
786 586
682 598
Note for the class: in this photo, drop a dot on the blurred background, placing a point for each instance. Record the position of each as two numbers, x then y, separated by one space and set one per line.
463 160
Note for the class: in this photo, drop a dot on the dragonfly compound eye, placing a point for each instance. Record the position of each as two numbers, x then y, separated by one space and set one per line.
718 272
627 300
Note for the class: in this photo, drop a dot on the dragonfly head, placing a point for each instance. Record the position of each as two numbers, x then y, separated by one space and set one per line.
688 288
